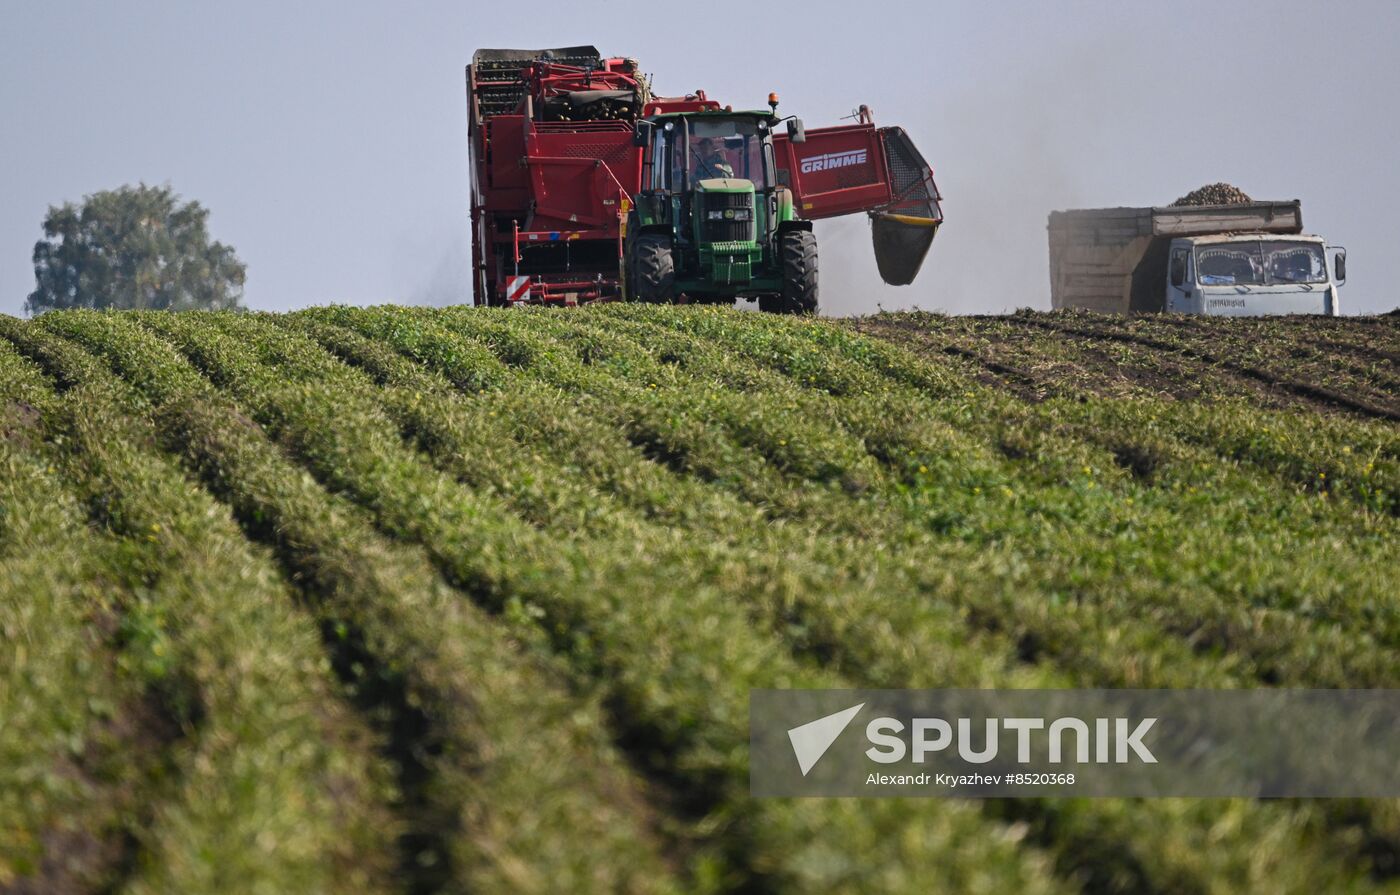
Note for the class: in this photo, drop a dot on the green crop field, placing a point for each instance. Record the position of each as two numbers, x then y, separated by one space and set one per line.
402 600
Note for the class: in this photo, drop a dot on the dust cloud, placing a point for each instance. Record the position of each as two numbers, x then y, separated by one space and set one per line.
1004 157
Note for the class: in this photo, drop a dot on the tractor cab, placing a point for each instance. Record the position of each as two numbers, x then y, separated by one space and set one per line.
713 174
712 202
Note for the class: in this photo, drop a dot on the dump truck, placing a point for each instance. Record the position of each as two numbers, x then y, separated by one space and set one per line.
1221 260
588 186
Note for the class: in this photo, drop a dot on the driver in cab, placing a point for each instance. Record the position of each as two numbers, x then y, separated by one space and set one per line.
710 160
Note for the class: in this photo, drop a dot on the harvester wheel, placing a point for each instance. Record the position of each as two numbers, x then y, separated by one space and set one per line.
798 251
653 269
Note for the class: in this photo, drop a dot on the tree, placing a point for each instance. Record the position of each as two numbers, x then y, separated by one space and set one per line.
133 247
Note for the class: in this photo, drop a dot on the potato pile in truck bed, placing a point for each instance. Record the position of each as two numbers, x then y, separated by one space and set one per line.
386 600
1214 194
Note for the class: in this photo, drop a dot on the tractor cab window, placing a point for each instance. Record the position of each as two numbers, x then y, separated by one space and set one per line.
710 159
727 147
663 175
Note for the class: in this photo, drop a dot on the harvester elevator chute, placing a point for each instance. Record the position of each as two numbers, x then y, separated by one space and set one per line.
851 168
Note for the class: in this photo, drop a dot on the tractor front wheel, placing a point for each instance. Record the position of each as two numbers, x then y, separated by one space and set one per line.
652 269
797 250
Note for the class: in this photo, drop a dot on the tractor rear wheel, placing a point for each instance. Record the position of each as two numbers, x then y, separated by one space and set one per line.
652 269
797 250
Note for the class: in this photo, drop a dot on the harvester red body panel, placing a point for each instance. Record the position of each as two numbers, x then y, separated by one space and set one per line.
546 189
554 169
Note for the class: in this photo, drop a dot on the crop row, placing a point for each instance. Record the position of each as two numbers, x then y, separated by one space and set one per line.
264 778
1348 587
1147 438
885 521
65 768
883 637
688 714
1335 454
1086 508
509 782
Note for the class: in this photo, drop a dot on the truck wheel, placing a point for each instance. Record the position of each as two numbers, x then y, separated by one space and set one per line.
652 269
797 249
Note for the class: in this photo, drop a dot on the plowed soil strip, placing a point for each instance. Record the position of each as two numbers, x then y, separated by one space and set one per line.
1304 390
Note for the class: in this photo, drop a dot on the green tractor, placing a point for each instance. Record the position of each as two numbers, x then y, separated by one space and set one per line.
711 223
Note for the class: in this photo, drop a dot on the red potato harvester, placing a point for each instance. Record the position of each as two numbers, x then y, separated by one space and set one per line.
586 186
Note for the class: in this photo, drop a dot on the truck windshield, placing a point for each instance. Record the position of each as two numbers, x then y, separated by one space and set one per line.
1264 263
727 147
1294 262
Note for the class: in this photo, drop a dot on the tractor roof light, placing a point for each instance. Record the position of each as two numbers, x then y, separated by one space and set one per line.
773 102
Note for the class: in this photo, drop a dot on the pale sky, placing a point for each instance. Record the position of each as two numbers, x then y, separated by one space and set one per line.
329 139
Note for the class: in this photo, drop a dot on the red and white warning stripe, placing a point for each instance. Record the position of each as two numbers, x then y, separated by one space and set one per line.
518 289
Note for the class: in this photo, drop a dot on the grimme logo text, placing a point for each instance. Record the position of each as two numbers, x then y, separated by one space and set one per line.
833 160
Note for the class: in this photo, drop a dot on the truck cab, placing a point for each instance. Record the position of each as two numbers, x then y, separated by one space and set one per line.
1253 274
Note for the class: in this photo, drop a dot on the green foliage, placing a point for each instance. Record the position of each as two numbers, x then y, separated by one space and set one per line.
247 767
133 247
551 553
